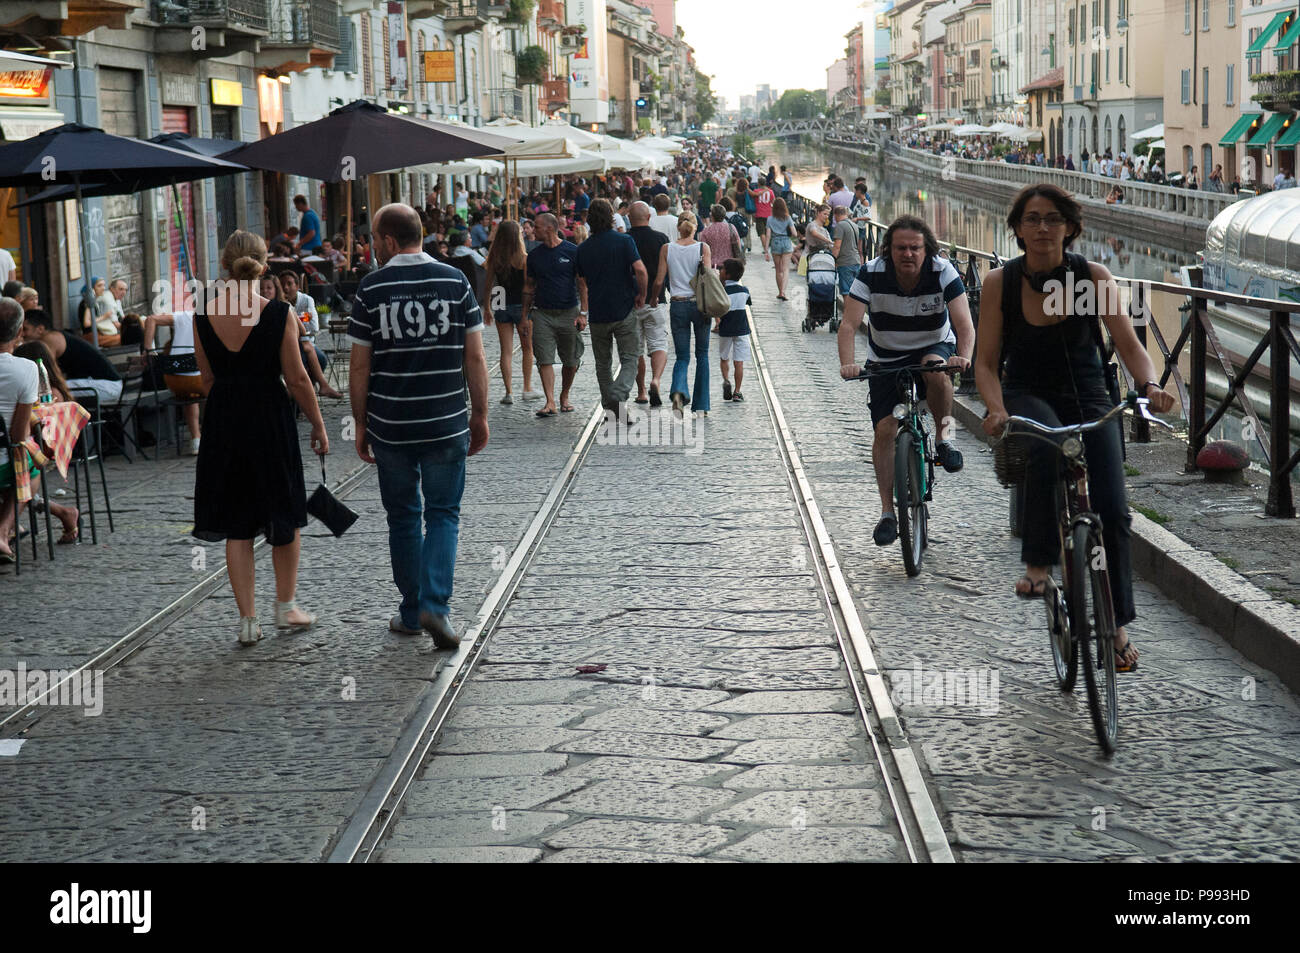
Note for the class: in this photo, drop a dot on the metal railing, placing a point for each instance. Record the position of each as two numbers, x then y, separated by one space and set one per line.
254 14
1140 195
1197 336
305 22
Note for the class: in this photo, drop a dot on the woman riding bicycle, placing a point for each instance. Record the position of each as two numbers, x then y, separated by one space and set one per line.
1054 374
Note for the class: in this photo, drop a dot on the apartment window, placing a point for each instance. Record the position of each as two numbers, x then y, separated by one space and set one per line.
1232 84
1205 95
1121 64
1187 16
1232 12
1108 64
1186 86
1107 18
1205 16
1018 2
1070 28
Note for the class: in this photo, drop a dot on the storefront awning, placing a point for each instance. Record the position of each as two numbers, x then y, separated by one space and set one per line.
1289 36
1290 136
20 124
1244 122
1268 130
1266 34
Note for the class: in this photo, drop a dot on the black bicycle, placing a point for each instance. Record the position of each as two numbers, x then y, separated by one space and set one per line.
914 459
1080 614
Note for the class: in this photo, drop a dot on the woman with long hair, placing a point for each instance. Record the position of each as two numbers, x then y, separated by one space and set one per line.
249 478
680 261
783 235
1055 374
503 301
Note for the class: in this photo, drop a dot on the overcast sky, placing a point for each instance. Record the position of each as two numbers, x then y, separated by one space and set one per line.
785 43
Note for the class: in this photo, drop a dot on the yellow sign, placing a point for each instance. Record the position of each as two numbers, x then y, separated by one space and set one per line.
440 66
227 92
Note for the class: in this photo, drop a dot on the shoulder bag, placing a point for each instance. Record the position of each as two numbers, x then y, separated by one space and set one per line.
710 297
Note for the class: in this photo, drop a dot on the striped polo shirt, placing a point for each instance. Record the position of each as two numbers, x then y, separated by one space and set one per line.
902 324
414 314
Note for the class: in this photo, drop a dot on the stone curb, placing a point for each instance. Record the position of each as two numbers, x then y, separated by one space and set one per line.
1258 626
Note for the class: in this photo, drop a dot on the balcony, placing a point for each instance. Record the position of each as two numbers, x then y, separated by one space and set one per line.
555 94
1277 91
46 19
303 34
550 13
228 26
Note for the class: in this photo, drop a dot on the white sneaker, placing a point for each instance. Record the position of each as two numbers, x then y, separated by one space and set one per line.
194 447
507 399
533 395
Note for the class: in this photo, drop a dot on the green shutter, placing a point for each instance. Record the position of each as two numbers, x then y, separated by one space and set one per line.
1267 34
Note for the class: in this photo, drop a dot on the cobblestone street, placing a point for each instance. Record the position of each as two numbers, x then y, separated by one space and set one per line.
720 722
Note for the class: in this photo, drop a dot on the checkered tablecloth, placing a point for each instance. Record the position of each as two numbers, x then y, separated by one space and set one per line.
61 424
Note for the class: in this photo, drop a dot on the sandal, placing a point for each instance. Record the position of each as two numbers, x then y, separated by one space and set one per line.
546 413
1036 589
566 410
1122 666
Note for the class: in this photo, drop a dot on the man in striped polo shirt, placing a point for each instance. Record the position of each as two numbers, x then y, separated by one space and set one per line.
919 313
416 343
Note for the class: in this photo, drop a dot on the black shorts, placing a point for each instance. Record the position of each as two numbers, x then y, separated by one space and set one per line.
885 394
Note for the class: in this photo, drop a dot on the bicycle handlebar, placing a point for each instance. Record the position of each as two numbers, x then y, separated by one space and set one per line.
1034 428
939 367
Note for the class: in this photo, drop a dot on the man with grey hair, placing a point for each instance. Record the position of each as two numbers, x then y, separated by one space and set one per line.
652 317
551 285
415 330
118 289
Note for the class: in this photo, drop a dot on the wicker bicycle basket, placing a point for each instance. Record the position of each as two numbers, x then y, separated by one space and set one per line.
1009 459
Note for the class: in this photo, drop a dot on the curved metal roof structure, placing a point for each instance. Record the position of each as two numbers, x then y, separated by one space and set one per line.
1260 236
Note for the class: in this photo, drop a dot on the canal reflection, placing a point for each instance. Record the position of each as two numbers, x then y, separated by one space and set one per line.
964 218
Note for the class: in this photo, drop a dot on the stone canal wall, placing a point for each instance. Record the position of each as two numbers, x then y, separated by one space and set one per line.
1174 217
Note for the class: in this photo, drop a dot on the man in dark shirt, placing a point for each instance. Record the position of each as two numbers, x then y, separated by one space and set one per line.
581 200
610 269
84 365
551 284
652 317
416 343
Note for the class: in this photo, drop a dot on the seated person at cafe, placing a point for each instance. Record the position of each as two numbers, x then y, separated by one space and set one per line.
132 328
331 253
100 312
12 290
19 385
84 367
180 368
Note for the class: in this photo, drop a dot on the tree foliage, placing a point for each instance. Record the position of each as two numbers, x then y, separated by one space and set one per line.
797 104
704 104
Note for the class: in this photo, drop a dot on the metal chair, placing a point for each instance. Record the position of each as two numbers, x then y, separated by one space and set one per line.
90 446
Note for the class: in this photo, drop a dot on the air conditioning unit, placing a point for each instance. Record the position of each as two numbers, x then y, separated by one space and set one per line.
570 42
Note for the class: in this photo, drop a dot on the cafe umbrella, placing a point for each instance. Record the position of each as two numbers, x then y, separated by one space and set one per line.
362 138
78 155
146 179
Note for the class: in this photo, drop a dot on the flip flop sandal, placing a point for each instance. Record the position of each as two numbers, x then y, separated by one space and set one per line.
546 413
643 400
566 410
1036 589
1121 666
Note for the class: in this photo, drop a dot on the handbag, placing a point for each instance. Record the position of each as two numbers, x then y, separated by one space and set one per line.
327 507
710 297
803 265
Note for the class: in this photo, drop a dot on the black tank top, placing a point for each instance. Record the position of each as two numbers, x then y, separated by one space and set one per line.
80 361
1057 360
513 282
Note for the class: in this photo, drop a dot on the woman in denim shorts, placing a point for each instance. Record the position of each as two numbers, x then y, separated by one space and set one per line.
503 300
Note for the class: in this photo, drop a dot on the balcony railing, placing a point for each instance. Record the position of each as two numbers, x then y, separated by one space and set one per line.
252 14
305 23
555 92
1277 90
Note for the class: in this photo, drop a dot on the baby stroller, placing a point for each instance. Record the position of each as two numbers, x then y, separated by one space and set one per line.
823 292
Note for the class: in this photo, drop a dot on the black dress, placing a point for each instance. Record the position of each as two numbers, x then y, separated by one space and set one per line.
249 478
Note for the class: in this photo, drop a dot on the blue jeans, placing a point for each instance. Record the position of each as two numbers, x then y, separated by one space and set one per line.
423 564
683 316
847 273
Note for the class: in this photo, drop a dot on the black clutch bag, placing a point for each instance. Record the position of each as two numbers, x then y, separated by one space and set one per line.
327 508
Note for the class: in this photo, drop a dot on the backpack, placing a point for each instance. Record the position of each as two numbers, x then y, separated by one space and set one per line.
741 226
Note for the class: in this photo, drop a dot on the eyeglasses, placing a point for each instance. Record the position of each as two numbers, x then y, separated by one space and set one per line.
1033 220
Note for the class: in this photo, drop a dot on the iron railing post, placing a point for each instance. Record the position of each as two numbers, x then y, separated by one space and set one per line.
1196 399
1280 502
1140 431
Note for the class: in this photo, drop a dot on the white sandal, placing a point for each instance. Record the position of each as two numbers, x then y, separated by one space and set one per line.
282 610
250 632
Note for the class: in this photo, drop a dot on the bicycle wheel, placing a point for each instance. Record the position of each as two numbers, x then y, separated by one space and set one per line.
1065 651
1093 625
907 496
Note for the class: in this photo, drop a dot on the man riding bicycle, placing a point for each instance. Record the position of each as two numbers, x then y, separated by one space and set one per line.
919 313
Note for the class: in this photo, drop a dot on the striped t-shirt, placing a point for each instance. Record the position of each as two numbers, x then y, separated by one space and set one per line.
902 324
414 314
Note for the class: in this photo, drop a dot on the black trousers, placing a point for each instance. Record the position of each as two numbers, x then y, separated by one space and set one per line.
1040 541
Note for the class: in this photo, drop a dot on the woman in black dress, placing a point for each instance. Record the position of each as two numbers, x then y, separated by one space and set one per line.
250 478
